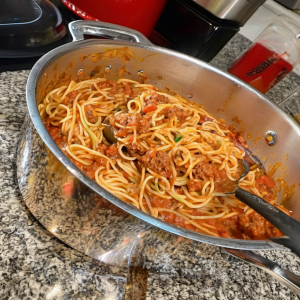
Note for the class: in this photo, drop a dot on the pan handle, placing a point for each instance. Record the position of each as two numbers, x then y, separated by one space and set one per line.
107 30
286 277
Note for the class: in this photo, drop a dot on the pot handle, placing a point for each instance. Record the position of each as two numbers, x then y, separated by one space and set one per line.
107 30
286 277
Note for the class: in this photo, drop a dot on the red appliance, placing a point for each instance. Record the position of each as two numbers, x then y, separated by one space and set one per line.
261 67
140 15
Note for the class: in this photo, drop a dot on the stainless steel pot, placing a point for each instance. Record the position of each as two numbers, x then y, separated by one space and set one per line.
222 94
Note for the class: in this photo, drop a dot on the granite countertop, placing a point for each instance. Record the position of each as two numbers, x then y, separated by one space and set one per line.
36 265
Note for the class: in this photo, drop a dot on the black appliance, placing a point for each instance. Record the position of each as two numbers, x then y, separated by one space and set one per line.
201 28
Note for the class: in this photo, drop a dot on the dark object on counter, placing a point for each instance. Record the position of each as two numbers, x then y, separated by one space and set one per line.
292 4
29 28
17 63
201 28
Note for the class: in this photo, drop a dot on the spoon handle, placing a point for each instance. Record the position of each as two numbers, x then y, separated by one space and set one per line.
275 216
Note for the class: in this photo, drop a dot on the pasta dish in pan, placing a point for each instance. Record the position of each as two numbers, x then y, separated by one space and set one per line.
170 157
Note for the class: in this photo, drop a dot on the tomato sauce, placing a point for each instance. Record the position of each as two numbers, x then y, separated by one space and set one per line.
252 226
59 138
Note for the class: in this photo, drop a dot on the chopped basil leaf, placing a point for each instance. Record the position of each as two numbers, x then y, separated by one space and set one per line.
178 137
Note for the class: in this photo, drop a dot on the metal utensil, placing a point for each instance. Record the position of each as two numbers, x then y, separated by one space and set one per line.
288 278
275 216
108 131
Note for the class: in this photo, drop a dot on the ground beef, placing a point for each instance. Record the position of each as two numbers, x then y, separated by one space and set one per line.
179 190
254 226
123 88
240 141
128 119
160 202
126 89
159 162
112 152
142 124
145 124
102 148
135 92
194 185
99 159
70 98
156 99
136 148
89 112
89 170
204 170
106 84
59 138
172 111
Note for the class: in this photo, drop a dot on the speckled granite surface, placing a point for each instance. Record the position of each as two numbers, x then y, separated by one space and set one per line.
36 265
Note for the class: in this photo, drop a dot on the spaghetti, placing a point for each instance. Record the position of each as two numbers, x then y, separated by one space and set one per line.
170 159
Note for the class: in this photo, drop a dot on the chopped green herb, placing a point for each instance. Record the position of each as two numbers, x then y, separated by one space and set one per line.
178 137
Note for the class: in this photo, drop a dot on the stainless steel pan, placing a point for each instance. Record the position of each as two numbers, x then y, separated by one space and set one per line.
222 94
